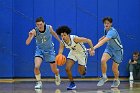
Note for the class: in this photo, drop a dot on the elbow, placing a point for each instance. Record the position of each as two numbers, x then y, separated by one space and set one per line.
88 41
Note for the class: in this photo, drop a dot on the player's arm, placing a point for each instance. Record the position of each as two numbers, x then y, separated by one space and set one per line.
100 43
54 34
32 33
85 40
111 34
101 38
61 48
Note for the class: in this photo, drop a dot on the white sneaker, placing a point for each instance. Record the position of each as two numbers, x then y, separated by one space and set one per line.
115 84
102 81
57 80
38 85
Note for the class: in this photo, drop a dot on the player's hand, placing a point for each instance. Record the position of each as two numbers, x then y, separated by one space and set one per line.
31 33
91 52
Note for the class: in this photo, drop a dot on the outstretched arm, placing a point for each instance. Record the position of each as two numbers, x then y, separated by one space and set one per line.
54 34
101 38
85 40
32 33
101 42
61 48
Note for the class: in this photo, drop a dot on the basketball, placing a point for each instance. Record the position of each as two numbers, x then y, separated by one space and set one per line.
60 60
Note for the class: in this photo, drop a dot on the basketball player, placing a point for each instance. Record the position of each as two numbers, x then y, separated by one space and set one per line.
44 49
78 52
114 51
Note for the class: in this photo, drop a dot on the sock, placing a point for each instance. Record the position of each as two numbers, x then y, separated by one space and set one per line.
38 77
104 75
131 74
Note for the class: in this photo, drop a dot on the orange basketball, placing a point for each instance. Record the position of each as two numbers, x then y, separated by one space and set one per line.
60 60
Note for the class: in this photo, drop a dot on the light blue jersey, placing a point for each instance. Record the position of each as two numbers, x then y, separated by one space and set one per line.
44 45
114 47
44 40
114 42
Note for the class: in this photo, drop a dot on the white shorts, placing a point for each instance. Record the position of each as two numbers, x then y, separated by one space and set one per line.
80 57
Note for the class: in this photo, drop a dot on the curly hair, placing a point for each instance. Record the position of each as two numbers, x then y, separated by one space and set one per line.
63 29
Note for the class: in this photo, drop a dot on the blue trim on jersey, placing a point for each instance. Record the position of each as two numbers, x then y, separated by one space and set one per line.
86 54
82 47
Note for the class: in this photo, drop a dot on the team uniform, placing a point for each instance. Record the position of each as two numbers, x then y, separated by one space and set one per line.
78 51
45 50
114 47
44 45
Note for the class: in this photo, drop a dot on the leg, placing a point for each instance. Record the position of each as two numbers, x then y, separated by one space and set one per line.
131 71
135 71
117 59
50 57
131 67
82 61
104 59
54 68
56 72
81 69
38 62
69 65
115 70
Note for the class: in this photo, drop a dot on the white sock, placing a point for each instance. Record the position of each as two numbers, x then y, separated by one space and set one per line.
104 75
131 74
38 77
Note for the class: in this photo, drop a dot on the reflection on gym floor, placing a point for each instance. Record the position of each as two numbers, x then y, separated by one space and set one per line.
82 87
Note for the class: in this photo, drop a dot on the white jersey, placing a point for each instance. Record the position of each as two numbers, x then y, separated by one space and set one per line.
73 46
77 51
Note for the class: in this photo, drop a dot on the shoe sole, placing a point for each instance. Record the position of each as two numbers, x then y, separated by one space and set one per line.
71 88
